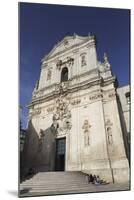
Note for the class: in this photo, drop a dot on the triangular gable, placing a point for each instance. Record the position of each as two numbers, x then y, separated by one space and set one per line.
66 43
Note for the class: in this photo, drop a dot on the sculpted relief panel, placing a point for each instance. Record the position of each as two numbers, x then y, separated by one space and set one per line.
62 116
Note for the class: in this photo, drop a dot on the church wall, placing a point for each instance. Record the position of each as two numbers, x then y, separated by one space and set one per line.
94 141
116 148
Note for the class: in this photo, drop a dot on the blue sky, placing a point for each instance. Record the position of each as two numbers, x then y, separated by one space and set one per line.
41 26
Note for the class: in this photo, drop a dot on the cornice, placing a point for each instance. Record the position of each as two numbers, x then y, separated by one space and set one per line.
70 89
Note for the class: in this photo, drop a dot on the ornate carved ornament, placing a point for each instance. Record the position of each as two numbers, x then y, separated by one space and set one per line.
62 87
69 61
50 109
62 109
62 116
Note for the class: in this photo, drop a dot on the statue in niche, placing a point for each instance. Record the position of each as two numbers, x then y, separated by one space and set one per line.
83 60
86 127
109 135
41 135
49 74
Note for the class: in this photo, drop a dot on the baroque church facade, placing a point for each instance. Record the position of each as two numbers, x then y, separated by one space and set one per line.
75 121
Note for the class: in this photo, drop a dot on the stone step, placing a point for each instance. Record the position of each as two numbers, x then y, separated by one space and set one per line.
55 186
77 187
58 173
53 181
59 183
61 186
59 189
47 182
50 178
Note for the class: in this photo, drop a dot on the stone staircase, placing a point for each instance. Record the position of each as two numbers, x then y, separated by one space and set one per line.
52 183
45 183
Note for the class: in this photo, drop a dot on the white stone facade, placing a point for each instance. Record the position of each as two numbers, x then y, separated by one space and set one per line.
83 109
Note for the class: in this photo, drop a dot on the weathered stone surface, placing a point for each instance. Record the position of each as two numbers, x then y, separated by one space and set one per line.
83 109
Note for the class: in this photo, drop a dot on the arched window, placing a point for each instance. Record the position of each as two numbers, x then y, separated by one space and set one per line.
64 74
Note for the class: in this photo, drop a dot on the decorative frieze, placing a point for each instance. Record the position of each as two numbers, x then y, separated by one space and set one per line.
108 95
76 102
35 112
111 95
95 97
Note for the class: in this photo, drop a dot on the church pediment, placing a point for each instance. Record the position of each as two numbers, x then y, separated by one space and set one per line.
65 44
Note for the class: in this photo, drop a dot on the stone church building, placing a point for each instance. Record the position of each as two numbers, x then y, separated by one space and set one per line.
78 117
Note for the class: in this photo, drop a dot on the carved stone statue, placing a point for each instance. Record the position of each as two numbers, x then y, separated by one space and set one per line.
83 60
86 127
41 135
105 58
106 61
104 66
